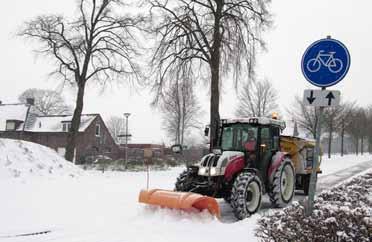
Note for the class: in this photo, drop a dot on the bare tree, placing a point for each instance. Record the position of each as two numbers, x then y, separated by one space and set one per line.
203 39
97 45
257 99
331 118
334 119
47 102
363 127
345 119
369 127
305 116
180 110
115 125
357 128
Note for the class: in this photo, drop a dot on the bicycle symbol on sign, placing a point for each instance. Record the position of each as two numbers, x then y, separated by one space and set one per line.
328 60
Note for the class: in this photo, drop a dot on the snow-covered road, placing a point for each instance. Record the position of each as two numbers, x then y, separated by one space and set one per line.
100 207
329 180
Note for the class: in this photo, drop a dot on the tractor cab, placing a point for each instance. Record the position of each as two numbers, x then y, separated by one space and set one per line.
253 136
257 138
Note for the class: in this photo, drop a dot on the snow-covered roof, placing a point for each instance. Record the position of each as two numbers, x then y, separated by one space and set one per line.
54 123
12 112
256 120
33 123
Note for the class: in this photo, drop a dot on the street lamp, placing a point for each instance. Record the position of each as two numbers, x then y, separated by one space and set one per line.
126 115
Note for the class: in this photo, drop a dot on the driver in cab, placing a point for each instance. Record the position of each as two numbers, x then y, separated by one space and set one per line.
250 145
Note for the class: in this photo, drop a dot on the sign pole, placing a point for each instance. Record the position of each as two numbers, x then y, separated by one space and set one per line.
314 177
324 64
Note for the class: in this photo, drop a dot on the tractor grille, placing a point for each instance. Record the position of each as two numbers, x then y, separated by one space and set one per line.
211 161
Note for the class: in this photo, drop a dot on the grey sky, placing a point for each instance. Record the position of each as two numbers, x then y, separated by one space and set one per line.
296 25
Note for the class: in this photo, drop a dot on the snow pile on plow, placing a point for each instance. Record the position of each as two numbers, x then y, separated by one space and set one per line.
19 159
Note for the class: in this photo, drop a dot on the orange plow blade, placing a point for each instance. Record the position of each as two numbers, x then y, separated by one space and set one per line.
179 200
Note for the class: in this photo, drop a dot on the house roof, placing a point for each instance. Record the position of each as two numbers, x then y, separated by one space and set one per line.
13 112
54 123
33 123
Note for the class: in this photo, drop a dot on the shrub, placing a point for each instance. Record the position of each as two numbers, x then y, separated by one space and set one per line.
342 214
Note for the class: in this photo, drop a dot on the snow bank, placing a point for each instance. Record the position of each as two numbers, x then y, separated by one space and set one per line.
21 159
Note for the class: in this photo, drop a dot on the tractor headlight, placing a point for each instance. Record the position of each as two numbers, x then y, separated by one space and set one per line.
213 171
202 170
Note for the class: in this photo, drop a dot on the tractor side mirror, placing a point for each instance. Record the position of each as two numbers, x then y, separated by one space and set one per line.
206 131
177 148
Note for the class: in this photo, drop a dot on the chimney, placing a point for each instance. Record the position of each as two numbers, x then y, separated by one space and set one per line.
30 101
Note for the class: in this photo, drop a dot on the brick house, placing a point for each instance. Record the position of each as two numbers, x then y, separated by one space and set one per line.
19 121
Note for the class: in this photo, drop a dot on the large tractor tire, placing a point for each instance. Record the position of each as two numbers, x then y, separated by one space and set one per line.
184 181
281 191
246 195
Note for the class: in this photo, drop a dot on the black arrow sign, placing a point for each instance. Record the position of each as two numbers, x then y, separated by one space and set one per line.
330 96
311 99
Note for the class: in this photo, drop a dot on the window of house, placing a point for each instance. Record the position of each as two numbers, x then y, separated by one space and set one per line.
98 130
10 125
66 126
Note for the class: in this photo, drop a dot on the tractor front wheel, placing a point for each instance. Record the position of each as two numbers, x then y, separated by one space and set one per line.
184 181
282 188
246 195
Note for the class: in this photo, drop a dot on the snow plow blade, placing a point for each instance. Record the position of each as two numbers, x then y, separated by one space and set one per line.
179 200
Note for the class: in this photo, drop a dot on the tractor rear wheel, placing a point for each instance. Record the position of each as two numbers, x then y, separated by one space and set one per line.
282 188
246 195
184 181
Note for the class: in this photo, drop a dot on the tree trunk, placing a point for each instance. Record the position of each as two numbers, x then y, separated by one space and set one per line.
214 109
215 78
357 146
362 146
342 137
75 123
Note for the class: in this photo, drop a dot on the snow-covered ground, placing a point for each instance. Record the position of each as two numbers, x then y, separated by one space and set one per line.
338 163
96 207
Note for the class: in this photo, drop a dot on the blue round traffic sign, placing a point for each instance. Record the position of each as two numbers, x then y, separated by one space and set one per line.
325 62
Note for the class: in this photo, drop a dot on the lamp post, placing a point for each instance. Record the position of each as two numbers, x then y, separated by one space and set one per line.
126 115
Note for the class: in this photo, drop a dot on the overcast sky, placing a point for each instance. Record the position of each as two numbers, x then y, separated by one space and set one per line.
296 25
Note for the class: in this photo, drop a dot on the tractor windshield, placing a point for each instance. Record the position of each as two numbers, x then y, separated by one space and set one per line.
235 136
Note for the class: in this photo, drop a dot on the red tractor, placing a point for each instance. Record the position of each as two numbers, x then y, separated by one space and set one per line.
253 159
248 164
